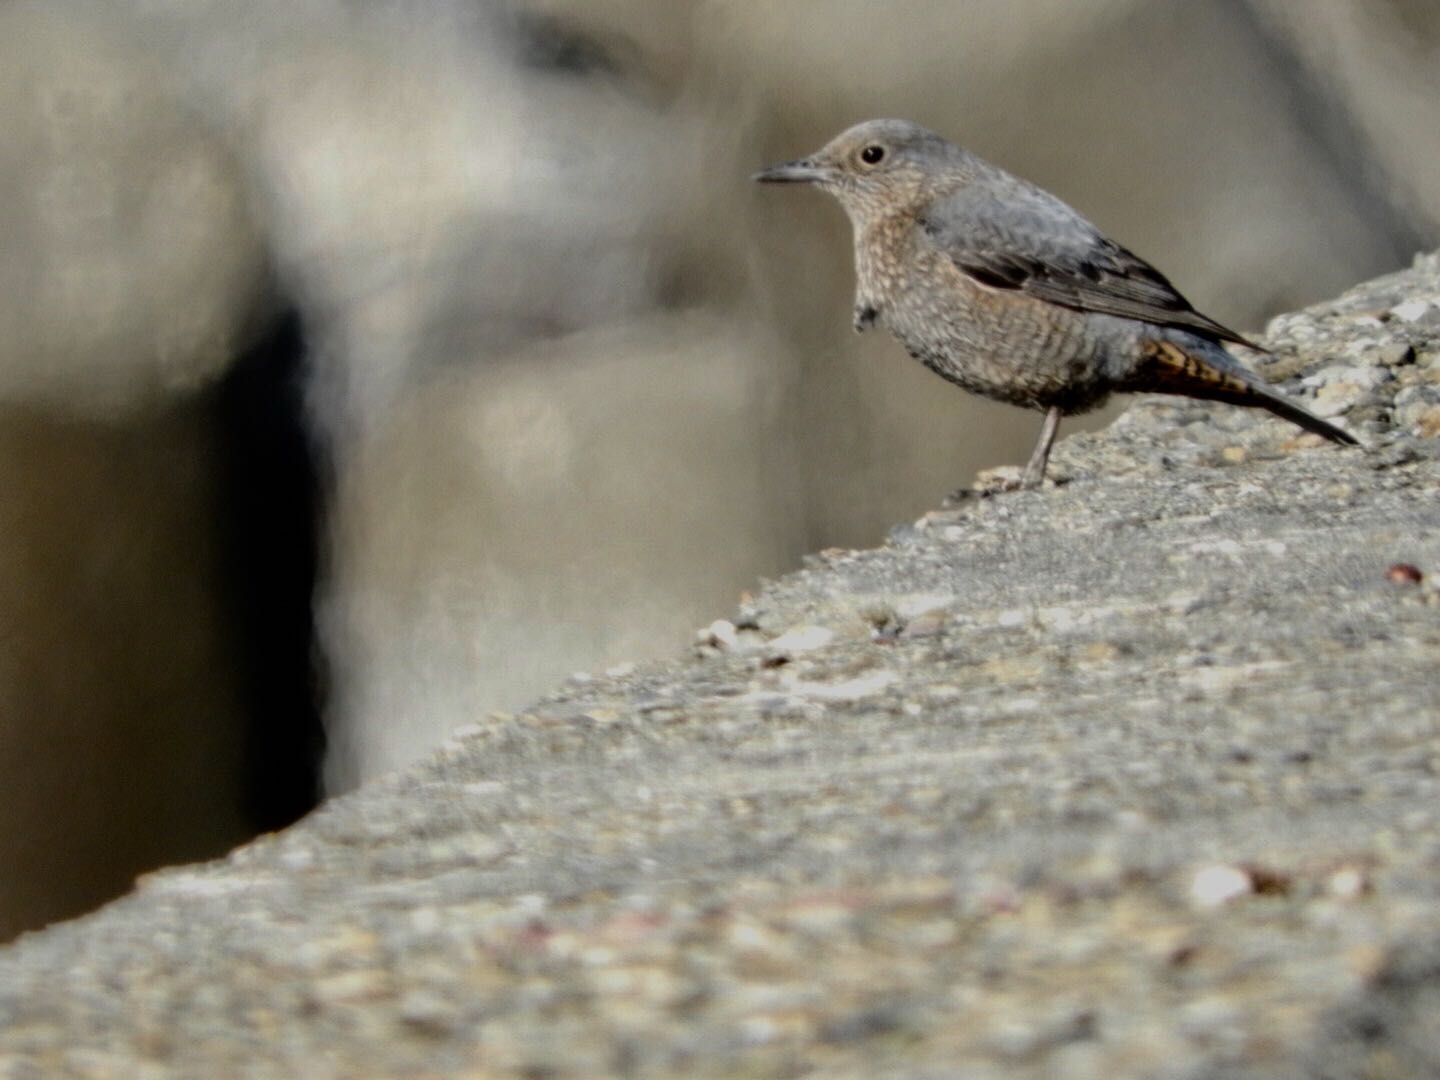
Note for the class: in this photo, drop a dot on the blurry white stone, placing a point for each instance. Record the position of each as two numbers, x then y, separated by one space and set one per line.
720 633
1337 398
912 607
849 690
1367 377
803 639
1348 884
1411 310
1217 885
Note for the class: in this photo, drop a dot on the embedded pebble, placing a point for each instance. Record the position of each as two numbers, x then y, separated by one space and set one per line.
1396 354
1348 884
1215 886
1404 574
802 639
1427 424
1411 310
912 607
850 690
721 633
1366 377
1337 398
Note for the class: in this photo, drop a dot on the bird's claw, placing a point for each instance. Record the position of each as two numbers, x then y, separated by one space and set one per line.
1005 479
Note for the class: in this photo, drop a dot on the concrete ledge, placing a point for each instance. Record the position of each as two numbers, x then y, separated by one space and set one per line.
1137 775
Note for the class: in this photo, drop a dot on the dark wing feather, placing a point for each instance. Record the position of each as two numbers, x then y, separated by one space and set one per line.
1008 234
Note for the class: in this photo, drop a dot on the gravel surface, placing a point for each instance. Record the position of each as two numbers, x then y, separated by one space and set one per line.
1136 775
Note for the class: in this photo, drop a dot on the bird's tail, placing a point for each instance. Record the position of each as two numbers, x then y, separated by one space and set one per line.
1204 370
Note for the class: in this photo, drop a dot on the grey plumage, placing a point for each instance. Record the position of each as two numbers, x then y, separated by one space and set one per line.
1007 233
1000 287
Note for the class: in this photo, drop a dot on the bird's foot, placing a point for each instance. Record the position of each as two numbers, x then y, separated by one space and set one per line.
865 316
1000 479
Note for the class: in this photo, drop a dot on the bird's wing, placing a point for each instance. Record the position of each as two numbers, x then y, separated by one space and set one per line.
1008 234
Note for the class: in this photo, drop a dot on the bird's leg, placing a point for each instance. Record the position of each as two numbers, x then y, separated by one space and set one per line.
1034 474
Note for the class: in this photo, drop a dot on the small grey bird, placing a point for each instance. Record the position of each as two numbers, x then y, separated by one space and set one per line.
1006 291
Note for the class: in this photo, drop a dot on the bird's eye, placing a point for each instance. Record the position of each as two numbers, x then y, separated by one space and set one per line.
872 155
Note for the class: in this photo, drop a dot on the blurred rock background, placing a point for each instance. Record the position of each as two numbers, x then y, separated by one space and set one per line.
371 365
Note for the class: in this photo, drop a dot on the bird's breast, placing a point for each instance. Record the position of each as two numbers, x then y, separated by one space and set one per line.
883 263
997 343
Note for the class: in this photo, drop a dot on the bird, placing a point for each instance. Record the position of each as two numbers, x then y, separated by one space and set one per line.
1005 290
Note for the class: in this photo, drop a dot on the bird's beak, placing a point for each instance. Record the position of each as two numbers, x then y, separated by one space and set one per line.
793 172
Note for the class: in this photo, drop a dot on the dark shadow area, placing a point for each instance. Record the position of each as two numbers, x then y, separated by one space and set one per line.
271 503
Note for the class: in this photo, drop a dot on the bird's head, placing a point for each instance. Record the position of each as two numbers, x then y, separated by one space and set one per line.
873 167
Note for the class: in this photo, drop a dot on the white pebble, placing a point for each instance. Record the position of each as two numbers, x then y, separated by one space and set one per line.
850 690
912 607
721 633
1348 884
1366 377
1060 619
803 639
1411 310
1217 885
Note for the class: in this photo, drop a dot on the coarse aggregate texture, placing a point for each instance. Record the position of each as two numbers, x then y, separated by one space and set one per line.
1137 775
